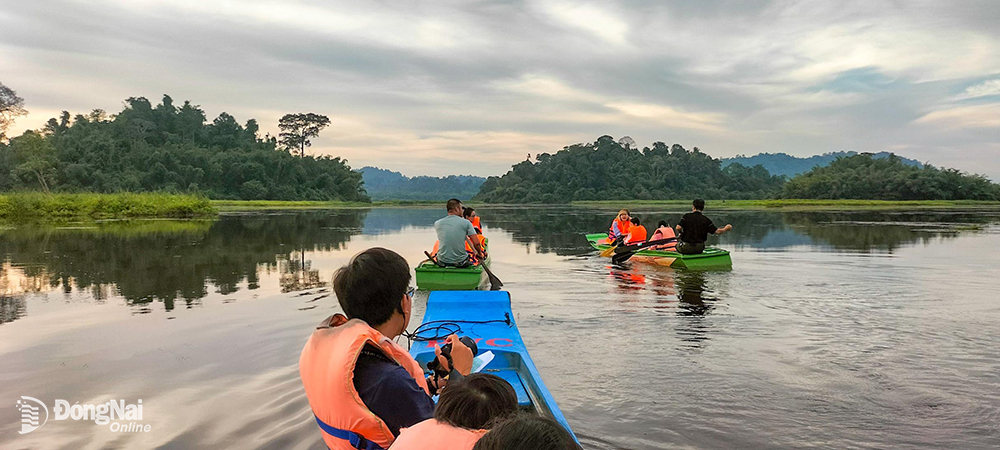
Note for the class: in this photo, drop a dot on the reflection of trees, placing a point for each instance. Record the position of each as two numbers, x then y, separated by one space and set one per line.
886 231
178 260
11 308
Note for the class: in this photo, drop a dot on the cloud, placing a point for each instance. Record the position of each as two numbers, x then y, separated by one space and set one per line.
964 117
984 89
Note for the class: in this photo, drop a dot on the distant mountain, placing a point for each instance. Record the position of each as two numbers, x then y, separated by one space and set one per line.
383 184
788 165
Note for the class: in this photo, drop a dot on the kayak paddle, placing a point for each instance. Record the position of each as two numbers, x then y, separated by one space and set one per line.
622 254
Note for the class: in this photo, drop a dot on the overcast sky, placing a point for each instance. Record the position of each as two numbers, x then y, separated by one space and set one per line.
471 87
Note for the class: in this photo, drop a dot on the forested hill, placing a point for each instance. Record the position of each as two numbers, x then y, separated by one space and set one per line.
609 170
384 184
868 177
169 148
788 165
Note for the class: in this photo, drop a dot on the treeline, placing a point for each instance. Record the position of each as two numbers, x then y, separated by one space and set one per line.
613 170
172 149
382 184
790 166
869 177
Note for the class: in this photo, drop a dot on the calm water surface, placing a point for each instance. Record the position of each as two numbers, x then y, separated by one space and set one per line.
832 330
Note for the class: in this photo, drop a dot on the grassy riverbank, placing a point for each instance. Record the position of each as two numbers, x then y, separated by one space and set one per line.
799 205
256 205
34 205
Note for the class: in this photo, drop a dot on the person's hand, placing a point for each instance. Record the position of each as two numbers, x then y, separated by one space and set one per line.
729 226
461 355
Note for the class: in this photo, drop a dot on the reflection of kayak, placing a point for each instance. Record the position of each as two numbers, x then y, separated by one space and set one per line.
711 258
486 317
430 277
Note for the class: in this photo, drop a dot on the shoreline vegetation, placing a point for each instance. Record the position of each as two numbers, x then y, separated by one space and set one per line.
62 207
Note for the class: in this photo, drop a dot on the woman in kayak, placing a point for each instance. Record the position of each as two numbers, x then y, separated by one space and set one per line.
471 216
663 231
465 412
619 226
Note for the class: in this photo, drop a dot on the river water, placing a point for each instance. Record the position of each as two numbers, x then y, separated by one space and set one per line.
832 330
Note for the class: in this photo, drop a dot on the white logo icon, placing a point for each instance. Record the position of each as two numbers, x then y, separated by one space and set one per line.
30 414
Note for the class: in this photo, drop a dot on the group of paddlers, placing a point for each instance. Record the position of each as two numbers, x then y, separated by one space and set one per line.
460 237
691 231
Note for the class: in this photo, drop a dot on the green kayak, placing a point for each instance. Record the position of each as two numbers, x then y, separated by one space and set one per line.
431 277
711 258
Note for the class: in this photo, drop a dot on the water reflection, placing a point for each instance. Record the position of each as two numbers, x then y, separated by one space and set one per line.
171 261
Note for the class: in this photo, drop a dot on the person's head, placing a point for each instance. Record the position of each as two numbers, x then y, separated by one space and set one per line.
623 214
477 402
698 204
527 431
454 206
468 213
662 223
374 287
635 221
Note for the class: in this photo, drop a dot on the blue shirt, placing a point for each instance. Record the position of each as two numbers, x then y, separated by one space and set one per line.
390 392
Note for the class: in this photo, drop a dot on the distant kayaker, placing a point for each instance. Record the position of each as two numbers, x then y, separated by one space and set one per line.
528 431
464 413
453 232
636 232
663 231
620 226
694 229
363 387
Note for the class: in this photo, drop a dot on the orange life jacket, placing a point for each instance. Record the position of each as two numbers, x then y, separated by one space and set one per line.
327 370
623 226
666 234
434 435
476 223
636 234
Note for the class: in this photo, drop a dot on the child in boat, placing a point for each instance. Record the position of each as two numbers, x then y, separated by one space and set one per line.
465 412
528 431
636 232
663 231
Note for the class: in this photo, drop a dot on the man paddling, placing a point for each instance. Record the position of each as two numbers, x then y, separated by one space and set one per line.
694 229
453 231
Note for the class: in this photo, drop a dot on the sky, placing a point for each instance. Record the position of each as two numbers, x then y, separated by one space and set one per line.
471 87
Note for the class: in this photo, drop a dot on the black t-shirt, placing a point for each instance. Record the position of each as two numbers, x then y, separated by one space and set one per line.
695 227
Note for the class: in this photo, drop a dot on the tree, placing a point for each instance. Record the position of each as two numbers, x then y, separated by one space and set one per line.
297 129
11 106
36 159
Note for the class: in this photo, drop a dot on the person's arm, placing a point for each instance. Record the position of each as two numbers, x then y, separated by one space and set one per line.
394 396
615 231
724 229
471 235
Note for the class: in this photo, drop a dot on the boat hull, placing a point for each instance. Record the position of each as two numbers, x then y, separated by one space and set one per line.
711 258
431 277
486 317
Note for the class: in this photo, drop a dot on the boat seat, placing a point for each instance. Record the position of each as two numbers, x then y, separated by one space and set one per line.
514 379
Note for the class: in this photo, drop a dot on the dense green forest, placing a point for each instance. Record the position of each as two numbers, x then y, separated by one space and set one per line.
609 170
384 184
866 176
790 166
172 149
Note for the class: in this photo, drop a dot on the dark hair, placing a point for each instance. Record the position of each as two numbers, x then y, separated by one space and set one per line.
452 204
466 212
371 286
663 223
477 402
527 431
699 204
635 221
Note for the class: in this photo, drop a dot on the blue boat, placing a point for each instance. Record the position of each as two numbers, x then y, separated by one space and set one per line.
486 317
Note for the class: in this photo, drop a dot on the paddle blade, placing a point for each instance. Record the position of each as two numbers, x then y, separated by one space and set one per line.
495 283
622 257
608 252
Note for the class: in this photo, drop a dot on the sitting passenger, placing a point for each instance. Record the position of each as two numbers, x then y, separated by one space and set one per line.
465 412
636 232
522 432
619 227
663 231
471 216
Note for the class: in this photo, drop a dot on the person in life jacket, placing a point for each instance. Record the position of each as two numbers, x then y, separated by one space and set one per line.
363 387
663 231
470 215
636 232
465 412
619 226
528 431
